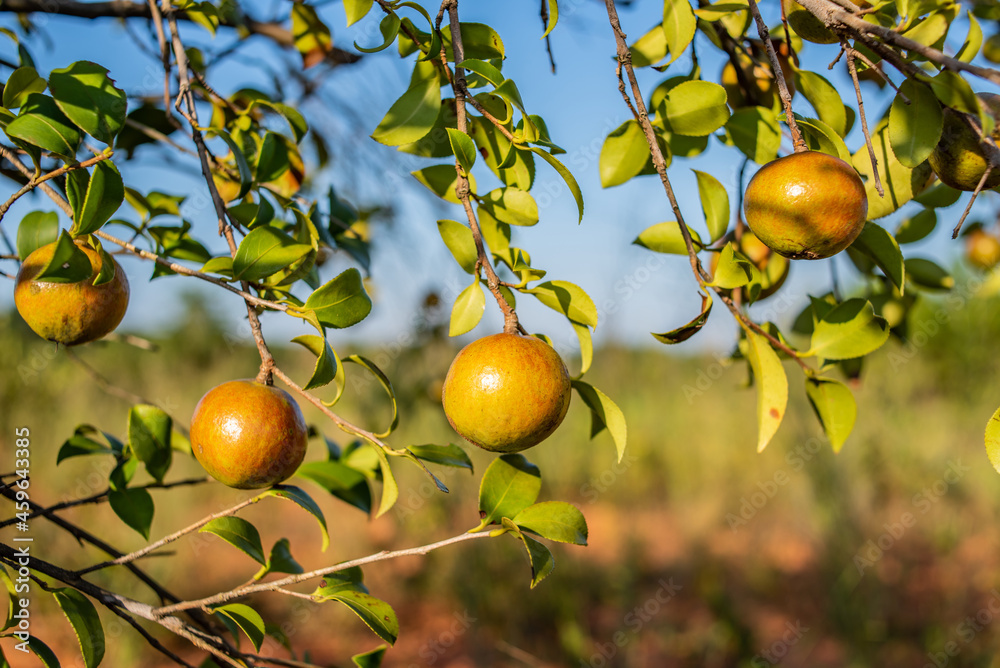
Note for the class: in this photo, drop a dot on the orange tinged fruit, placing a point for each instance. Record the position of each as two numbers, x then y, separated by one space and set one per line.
958 159
70 313
248 435
506 392
982 249
806 206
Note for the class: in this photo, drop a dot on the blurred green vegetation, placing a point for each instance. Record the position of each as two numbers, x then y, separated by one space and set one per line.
702 552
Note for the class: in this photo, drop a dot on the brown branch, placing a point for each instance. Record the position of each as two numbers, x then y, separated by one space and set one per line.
548 43
990 166
779 78
34 183
852 68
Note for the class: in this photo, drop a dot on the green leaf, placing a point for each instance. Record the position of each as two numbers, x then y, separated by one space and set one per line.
342 301
13 605
993 440
69 264
312 36
356 10
327 365
273 159
37 229
246 176
105 193
623 155
916 228
511 206
824 99
468 309
446 455
205 14
509 485
679 26
304 501
714 203
696 108
666 238
567 176
586 345
245 617
821 137
149 437
553 6
86 624
927 274
954 91
134 507
604 413
240 534
459 240
772 387
265 251
463 148
44 654
851 329
342 481
899 181
539 557
346 579
973 41
554 520
834 406
21 83
413 115
90 99
296 121
569 299
484 69
651 48
733 271
372 658
876 242
938 196
685 332
377 614
914 128
756 132
386 385
41 123
280 561
441 180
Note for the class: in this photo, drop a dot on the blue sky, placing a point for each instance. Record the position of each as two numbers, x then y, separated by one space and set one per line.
636 291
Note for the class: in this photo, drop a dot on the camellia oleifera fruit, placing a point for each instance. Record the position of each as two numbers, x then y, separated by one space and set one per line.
958 159
506 392
982 249
806 206
248 435
70 313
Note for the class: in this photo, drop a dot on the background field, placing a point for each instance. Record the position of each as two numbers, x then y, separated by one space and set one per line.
702 552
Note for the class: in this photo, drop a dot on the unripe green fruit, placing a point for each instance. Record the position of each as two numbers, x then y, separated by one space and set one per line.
506 392
248 435
958 159
806 206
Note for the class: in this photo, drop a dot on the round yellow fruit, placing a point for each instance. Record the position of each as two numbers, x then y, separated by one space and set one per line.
248 435
506 392
806 206
958 159
70 313
982 249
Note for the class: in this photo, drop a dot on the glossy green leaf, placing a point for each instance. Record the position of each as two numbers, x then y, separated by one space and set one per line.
696 108
772 387
914 128
679 26
44 654
509 485
441 180
246 618
413 115
340 480
134 507
41 123
876 242
69 264
566 175
899 181
756 132
13 600
376 614
623 155
21 83
36 229
604 414
973 41
479 40
373 657
539 557
468 309
511 206
342 301
993 440
824 99
280 561
569 299
954 91
586 346
714 204
666 238
484 69
240 534
463 148
86 624
386 384
917 227
265 251
651 48
90 99
821 137
459 240
554 520
304 501
105 193
929 275
149 437
327 364
835 407
685 332
346 579
446 455
205 14
312 36
356 10
733 270
938 196
273 158
851 329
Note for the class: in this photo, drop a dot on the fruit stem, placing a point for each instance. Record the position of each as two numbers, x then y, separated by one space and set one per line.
779 77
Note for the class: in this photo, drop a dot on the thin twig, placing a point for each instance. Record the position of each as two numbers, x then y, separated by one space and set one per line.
878 70
864 121
548 43
972 200
34 183
779 77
